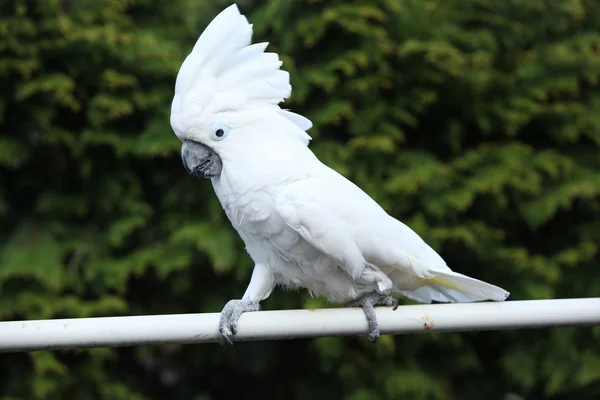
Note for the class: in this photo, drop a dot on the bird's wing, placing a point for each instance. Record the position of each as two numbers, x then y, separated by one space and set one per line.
307 208
342 221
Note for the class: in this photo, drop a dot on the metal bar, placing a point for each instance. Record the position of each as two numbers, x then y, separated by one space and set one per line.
273 325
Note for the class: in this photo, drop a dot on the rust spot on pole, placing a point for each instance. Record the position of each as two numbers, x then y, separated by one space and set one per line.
427 321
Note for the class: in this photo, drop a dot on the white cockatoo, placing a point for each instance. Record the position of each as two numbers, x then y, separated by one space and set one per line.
304 225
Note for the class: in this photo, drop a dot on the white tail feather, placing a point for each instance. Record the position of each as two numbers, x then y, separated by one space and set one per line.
452 287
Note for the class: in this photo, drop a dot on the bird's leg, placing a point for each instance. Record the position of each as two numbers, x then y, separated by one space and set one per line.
260 287
367 302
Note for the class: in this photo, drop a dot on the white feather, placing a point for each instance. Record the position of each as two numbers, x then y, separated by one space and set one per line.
301 122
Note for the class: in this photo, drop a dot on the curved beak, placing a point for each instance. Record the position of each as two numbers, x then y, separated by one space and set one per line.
199 160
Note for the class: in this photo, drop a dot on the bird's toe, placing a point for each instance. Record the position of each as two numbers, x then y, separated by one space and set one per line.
374 335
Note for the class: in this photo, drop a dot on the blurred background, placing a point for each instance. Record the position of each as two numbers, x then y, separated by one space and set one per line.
476 122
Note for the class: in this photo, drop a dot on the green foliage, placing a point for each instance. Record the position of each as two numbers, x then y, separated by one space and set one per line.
476 122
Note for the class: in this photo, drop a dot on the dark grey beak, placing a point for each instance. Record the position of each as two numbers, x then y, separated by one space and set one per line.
199 160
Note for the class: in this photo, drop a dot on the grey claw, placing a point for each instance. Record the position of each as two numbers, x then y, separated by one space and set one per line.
226 339
233 320
233 310
367 302
374 335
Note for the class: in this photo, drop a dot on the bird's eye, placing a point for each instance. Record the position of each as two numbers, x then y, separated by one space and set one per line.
219 131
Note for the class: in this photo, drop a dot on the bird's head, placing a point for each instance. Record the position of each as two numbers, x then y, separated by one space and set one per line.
227 95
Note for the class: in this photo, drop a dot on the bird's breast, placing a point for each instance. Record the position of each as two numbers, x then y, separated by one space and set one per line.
270 241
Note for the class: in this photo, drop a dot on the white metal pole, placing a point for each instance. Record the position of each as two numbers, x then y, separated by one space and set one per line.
271 325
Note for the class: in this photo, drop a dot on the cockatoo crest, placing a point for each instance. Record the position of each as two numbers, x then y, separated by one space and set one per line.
224 72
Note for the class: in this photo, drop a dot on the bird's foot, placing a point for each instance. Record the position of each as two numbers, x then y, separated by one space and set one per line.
231 314
367 302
